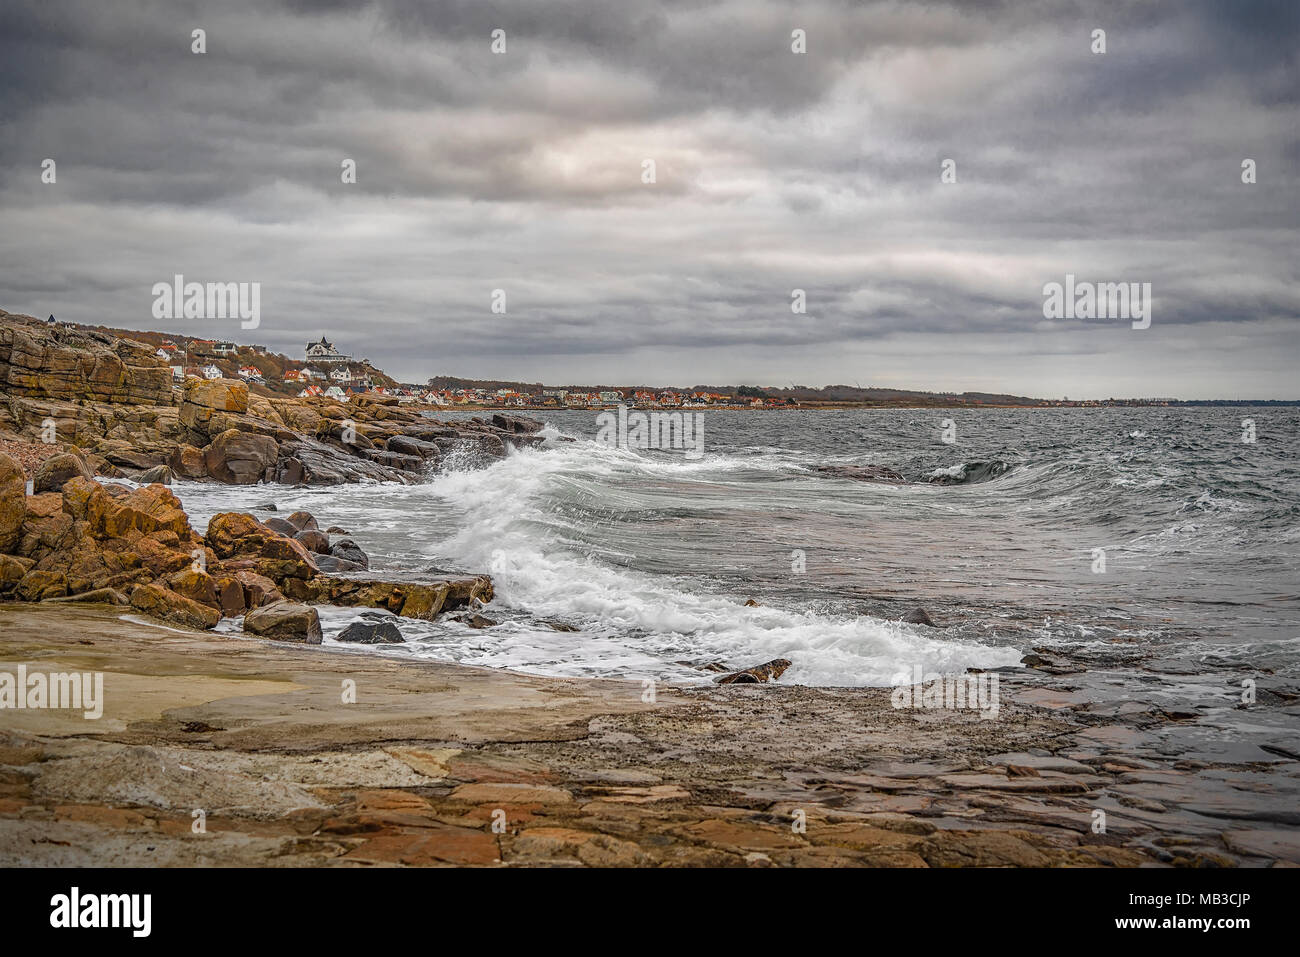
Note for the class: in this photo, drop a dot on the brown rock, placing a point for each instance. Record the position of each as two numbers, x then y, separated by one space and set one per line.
187 462
203 397
285 621
40 361
240 458
86 500
237 533
197 586
258 589
230 597
283 558
314 540
768 671
167 605
37 585
159 557
12 570
13 503
161 474
57 469
149 509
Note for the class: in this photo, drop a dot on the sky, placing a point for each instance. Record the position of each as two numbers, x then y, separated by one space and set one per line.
524 170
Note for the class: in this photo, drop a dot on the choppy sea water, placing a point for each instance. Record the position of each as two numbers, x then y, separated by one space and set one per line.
652 555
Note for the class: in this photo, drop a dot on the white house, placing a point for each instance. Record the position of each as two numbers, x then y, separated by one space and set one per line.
210 372
334 392
225 348
178 373
341 374
324 351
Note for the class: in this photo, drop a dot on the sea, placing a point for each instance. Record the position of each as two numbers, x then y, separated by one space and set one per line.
1149 543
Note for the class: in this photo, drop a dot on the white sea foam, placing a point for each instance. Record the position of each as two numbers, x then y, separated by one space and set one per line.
632 620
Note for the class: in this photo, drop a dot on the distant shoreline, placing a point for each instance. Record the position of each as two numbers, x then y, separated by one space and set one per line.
848 406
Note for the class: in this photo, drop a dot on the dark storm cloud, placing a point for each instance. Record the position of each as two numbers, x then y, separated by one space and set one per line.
775 171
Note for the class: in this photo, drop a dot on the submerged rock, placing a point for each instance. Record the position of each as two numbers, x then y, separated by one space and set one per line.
862 473
349 551
476 621
919 616
382 632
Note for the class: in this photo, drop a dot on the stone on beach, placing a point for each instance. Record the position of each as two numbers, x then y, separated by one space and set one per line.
285 621
372 633
768 671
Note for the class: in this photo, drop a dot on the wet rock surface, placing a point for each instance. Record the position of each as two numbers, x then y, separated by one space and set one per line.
586 773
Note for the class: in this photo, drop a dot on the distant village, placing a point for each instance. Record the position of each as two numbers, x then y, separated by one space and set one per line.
325 371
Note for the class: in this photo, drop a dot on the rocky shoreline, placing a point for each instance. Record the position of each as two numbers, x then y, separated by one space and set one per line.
418 769
438 764
113 404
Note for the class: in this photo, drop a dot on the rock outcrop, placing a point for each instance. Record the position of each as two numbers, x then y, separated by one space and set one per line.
115 402
114 543
59 362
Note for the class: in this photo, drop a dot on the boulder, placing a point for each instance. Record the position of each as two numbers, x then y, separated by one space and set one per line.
38 585
281 526
918 616
188 462
285 621
349 551
240 458
332 565
12 570
409 445
768 671
202 397
425 600
258 589
85 500
476 621
237 533
13 503
517 423
378 632
161 474
196 585
163 553
314 540
166 605
230 597
302 520
146 510
285 558
57 469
